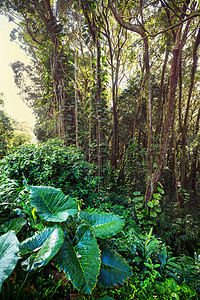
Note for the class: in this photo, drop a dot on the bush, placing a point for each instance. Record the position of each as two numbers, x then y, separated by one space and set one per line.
51 164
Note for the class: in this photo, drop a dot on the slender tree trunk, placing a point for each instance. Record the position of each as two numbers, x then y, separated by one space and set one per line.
149 107
149 191
184 127
175 162
90 114
98 104
194 168
179 43
76 97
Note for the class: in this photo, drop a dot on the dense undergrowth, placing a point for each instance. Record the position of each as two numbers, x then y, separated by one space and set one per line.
157 247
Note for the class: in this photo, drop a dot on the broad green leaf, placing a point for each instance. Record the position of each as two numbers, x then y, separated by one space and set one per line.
13 224
9 248
80 262
43 245
104 225
51 204
114 268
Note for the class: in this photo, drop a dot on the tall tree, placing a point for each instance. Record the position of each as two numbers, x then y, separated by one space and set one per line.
179 14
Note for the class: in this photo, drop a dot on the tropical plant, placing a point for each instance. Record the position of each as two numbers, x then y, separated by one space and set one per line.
153 261
147 213
72 240
9 246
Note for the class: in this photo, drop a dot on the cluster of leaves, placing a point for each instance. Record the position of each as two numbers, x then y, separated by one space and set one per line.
157 274
68 237
146 214
52 164
179 228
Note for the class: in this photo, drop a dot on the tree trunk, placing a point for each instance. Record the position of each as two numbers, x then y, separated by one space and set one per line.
76 97
98 104
184 127
179 43
194 168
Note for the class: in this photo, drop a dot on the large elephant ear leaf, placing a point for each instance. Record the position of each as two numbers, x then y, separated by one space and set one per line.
9 248
114 268
52 204
104 225
80 262
43 246
14 224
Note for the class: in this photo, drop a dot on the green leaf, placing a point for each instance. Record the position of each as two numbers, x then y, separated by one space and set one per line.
153 214
140 216
114 268
104 225
51 204
139 199
152 247
139 205
9 248
147 265
150 204
43 245
158 209
160 190
175 296
13 224
80 262
155 202
137 193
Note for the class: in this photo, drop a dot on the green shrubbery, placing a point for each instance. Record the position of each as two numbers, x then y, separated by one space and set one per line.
51 230
51 164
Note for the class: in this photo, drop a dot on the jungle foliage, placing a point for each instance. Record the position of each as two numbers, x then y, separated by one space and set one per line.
84 239
115 174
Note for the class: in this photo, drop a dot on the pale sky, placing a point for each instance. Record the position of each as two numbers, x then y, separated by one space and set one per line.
9 53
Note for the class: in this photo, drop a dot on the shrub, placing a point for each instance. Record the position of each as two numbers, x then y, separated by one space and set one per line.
51 164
